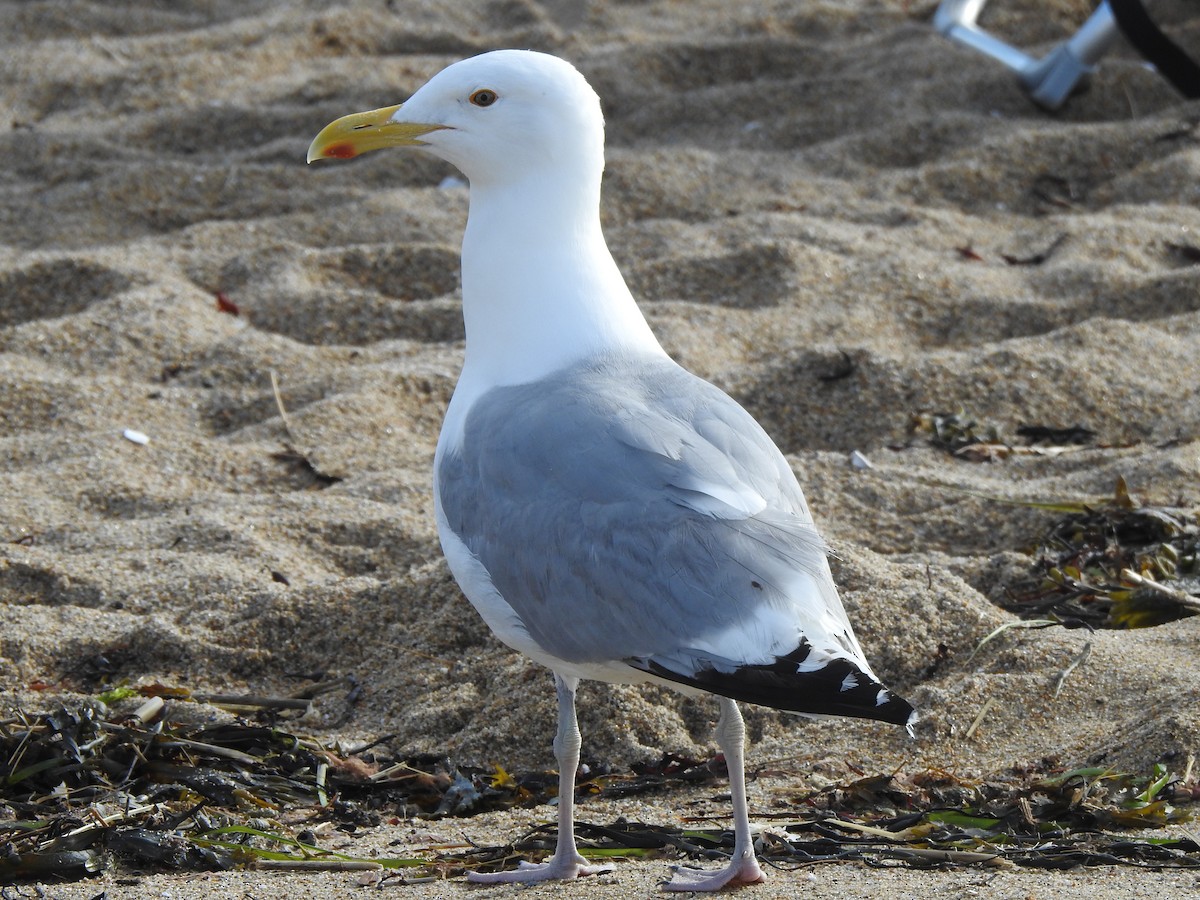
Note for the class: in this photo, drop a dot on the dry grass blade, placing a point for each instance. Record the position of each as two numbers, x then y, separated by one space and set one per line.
254 701
983 711
1008 626
1071 667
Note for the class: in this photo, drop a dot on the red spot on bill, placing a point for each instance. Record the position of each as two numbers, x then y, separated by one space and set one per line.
340 151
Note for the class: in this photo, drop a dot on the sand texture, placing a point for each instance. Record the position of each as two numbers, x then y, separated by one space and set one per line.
827 209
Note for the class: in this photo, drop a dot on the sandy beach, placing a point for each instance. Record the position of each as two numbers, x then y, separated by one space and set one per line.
841 218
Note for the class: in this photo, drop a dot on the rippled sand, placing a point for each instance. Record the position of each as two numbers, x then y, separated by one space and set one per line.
825 208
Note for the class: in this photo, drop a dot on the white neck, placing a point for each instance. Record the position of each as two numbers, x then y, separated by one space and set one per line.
540 288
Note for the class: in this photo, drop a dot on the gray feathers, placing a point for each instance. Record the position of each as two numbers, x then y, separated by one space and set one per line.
628 509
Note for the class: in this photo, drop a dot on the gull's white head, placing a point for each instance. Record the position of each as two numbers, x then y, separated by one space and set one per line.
540 288
498 118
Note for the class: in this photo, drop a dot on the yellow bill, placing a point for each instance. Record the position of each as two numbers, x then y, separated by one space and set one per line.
353 135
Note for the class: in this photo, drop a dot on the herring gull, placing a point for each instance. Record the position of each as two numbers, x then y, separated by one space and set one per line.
608 513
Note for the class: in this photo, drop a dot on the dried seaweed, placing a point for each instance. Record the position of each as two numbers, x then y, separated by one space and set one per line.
925 820
1116 564
83 791
961 435
954 431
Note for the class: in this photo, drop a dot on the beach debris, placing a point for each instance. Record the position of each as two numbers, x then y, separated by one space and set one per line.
1185 600
955 432
1188 253
1009 626
961 435
859 461
225 305
1071 667
939 661
979 717
966 251
1115 564
1044 820
290 454
1036 259
135 437
1054 191
1044 434
91 790
149 711
844 367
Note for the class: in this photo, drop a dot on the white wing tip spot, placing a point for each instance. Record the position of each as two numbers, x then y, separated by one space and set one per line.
816 660
881 698
849 683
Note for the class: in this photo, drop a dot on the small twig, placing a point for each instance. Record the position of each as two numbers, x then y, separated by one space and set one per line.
322 774
958 857
213 749
319 865
991 701
355 751
1077 661
324 687
866 829
401 879
398 767
252 700
1020 623
182 817
1027 812
292 447
283 416
1038 258
100 823
110 50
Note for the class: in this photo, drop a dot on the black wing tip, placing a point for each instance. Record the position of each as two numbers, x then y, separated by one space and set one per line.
839 688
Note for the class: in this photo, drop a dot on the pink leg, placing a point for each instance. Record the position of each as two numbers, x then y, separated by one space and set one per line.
566 861
743 868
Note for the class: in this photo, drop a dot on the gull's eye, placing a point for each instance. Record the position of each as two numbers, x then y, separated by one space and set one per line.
483 97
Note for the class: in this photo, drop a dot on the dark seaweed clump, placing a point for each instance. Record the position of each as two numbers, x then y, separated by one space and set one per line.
1115 564
83 790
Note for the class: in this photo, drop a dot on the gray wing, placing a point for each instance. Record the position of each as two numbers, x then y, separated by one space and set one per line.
626 510
631 511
